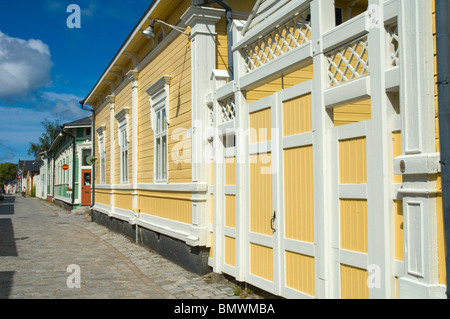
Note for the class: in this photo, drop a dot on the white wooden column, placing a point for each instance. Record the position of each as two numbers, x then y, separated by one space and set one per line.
133 75
322 20
202 21
380 209
419 160
220 79
112 108
242 163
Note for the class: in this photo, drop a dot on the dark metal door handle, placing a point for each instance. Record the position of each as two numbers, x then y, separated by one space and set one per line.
272 222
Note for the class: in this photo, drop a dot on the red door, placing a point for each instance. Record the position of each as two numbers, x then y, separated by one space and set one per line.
86 188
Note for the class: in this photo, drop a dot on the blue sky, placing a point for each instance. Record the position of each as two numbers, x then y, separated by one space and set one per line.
47 67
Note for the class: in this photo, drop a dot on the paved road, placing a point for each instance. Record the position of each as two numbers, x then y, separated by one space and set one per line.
38 241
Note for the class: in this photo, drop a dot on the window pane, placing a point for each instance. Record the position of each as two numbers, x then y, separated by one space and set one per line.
164 119
158 159
84 154
158 122
164 157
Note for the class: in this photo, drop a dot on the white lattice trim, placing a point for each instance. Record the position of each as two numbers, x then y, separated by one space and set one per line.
393 45
227 109
282 40
348 62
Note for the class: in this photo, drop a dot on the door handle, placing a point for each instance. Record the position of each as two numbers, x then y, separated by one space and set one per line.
272 222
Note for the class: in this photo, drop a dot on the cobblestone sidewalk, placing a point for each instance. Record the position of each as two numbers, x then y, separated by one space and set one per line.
173 281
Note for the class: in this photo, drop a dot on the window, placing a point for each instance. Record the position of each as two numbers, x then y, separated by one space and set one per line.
122 119
102 152
161 144
85 153
159 114
123 155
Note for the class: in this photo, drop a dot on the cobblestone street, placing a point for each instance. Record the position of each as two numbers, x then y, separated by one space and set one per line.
39 240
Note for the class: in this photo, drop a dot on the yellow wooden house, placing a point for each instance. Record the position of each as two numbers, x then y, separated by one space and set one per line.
291 144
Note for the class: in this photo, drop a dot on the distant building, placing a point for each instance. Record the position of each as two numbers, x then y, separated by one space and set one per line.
27 170
60 183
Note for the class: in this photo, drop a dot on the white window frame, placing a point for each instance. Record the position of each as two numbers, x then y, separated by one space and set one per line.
159 105
123 136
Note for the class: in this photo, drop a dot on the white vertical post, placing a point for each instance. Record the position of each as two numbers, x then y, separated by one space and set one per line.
379 172
202 21
322 20
420 160
133 75
112 99
220 78
242 164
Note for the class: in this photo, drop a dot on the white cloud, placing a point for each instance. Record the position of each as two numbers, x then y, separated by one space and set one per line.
64 106
24 67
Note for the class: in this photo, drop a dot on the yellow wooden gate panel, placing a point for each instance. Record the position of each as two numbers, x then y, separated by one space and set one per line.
260 126
230 211
397 142
230 171
352 161
261 261
297 116
300 272
260 193
230 251
354 225
354 283
399 247
299 193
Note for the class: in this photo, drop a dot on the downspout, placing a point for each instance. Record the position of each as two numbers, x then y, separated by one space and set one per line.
229 14
442 49
53 176
93 148
74 159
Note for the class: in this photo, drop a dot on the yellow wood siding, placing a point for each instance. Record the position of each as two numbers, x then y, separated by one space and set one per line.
261 126
352 112
230 171
297 116
300 272
260 194
284 81
399 239
353 219
103 197
102 119
123 100
358 8
299 193
354 283
175 61
230 211
261 261
211 250
174 206
230 251
123 200
352 161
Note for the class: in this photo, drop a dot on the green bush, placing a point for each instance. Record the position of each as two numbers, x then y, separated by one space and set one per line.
33 191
